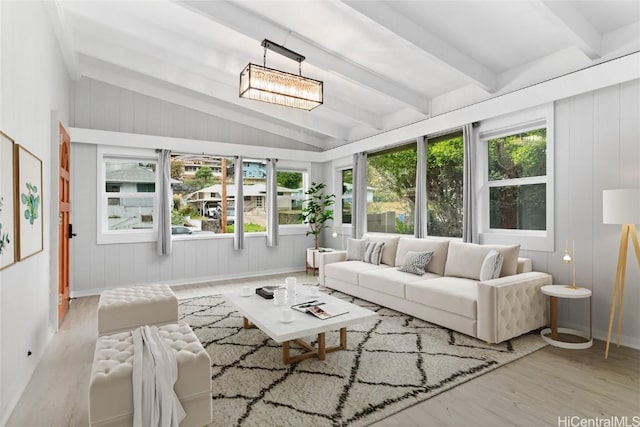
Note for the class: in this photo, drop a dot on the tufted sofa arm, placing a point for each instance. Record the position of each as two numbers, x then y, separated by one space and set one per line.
511 306
327 258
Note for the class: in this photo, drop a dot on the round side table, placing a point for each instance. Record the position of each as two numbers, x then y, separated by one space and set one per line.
550 335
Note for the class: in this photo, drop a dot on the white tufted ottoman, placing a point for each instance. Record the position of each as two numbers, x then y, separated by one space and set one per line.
111 386
123 309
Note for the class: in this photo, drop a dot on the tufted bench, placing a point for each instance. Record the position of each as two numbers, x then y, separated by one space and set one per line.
111 385
122 309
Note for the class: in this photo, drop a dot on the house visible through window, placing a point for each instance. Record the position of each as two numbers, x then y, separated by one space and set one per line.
198 194
134 182
290 196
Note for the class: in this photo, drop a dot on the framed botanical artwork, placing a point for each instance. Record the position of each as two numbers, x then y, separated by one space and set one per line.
28 202
7 203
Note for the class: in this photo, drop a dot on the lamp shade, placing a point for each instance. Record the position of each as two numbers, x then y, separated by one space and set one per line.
621 206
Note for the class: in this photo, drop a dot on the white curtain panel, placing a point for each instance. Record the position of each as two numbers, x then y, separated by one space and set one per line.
469 232
420 210
164 203
238 233
359 195
272 203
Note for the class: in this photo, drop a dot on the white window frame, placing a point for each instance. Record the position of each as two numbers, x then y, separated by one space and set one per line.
104 235
536 118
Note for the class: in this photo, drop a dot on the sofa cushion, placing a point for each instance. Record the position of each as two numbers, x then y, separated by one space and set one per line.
390 247
416 262
347 271
355 249
491 265
465 259
453 294
389 281
373 252
438 247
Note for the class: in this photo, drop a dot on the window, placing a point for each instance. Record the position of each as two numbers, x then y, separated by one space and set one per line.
347 195
290 196
445 163
127 202
204 196
199 202
516 180
391 181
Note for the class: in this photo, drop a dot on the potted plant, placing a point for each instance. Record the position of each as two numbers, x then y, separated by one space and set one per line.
316 210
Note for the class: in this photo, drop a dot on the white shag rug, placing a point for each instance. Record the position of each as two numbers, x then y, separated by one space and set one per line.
391 363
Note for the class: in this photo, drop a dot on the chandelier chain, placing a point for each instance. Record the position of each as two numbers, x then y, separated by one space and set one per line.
264 57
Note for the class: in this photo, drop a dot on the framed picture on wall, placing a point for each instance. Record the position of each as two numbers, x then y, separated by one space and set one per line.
7 202
28 202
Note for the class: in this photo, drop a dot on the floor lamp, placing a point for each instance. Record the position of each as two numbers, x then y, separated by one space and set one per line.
621 207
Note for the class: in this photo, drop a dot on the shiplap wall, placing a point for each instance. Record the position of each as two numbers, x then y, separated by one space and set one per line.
96 267
99 105
597 137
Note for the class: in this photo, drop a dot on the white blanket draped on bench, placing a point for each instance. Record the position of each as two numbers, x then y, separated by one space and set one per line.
155 371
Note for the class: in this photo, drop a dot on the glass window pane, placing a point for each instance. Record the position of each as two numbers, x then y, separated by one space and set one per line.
347 195
130 213
124 176
391 179
290 195
519 207
254 174
204 192
518 156
445 163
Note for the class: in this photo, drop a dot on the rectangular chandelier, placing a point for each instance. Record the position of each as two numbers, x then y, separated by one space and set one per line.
278 87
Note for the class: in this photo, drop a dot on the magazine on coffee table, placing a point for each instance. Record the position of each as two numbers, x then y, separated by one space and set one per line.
320 309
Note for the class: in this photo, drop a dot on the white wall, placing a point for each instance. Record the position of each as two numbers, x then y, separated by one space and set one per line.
34 87
96 267
99 105
597 136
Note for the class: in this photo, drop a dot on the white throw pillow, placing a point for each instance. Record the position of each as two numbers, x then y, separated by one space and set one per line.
355 249
416 262
491 265
373 252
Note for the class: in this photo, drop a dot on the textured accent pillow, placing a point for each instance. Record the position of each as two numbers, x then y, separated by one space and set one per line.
355 249
416 262
491 266
373 252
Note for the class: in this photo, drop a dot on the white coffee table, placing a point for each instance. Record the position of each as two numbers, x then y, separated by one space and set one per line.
264 314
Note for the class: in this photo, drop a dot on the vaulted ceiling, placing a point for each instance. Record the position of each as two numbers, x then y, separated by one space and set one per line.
384 64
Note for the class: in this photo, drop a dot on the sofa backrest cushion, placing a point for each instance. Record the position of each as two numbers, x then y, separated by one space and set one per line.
355 249
465 259
389 249
438 247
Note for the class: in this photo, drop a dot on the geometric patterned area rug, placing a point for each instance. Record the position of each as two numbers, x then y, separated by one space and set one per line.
391 363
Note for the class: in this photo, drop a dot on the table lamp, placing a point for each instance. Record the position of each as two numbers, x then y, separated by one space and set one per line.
621 206
568 259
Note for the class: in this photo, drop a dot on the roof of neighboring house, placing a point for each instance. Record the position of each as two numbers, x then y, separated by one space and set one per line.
131 173
247 190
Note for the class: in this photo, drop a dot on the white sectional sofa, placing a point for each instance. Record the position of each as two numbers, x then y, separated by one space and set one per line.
449 293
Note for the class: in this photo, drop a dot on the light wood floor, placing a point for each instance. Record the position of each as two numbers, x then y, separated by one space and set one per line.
533 391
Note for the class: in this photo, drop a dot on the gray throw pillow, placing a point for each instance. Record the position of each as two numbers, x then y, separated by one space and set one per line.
355 249
416 262
491 265
373 252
